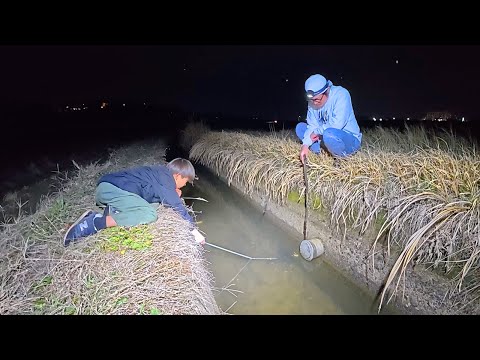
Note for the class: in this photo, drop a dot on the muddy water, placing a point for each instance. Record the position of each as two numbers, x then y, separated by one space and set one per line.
287 285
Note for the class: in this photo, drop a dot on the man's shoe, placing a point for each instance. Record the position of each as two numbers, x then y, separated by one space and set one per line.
82 227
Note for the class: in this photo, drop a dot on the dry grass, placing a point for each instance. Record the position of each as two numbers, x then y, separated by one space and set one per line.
419 189
149 269
192 132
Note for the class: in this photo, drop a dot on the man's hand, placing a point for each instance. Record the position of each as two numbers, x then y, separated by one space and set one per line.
199 238
179 192
314 137
304 152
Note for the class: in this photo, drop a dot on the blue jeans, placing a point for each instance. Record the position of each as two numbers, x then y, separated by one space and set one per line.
337 142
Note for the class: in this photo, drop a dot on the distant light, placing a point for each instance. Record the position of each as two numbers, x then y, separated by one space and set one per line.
275 121
396 61
374 119
463 119
408 118
286 80
380 119
393 118
123 105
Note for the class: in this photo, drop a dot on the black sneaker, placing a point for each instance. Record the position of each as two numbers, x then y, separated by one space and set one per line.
82 227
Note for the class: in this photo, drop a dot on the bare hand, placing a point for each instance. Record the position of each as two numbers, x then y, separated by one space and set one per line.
179 192
314 137
304 152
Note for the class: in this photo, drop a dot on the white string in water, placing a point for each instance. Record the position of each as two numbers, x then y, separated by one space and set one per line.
244 256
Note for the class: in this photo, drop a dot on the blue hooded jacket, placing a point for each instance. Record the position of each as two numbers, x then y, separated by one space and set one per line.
155 184
337 113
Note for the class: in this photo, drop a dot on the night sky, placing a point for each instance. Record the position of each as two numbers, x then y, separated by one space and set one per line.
245 81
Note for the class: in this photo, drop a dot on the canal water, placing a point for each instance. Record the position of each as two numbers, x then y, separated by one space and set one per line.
288 284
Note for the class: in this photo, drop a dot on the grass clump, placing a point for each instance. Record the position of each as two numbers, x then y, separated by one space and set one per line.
121 239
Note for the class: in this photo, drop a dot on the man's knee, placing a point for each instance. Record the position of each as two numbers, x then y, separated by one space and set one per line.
300 129
333 142
330 134
339 142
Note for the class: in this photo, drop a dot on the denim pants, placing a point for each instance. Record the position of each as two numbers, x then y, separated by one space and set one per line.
337 142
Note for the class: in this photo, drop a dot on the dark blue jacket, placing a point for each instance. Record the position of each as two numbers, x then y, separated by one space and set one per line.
155 184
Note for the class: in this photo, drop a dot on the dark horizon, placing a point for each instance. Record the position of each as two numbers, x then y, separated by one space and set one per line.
234 86
246 80
30 154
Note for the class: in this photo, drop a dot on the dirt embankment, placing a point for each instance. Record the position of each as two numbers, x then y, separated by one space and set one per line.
147 269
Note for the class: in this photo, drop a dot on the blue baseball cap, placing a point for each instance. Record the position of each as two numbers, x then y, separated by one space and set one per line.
316 84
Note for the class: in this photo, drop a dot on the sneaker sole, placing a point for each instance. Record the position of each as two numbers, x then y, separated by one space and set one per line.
80 218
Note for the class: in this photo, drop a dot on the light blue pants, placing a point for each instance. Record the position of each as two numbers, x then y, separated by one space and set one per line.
337 142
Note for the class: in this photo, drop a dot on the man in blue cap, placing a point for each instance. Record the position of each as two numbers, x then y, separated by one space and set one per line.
331 122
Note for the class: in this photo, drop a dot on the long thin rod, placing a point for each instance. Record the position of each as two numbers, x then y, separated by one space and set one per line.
236 253
306 194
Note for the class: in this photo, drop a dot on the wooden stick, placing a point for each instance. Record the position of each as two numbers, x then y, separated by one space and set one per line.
306 192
